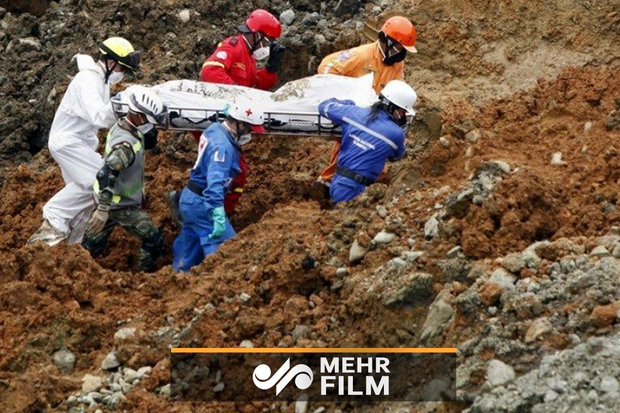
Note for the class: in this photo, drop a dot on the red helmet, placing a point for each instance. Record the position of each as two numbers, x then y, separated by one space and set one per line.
264 22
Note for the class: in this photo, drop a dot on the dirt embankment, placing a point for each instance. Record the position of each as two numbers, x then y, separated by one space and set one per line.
291 257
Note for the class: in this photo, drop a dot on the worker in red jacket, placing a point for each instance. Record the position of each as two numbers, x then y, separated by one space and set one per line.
234 63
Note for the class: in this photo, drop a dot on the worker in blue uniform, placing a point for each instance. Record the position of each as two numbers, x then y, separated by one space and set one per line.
205 225
370 136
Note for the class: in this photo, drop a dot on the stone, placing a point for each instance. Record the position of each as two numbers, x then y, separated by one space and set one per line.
443 141
609 384
550 396
499 373
439 313
184 16
382 211
616 251
129 374
513 263
473 136
539 327
384 237
110 361
357 252
346 7
431 228
454 252
503 279
218 388
64 360
144 371
490 293
311 19
417 288
300 331
124 334
91 383
603 315
556 159
245 299
600 252
397 263
287 17
341 272
503 166
246 344
301 406
412 256
116 399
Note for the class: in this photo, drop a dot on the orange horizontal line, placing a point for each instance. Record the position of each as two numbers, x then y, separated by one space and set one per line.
312 350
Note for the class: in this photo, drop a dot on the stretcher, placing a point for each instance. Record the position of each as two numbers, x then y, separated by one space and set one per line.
292 109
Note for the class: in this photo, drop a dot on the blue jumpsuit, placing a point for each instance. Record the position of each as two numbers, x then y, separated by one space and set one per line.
215 168
366 145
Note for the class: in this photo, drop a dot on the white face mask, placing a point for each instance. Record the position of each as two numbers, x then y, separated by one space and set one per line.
115 77
261 53
244 139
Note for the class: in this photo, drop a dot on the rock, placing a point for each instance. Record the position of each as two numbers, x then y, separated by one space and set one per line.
341 272
439 313
301 406
600 252
431 228
445 142
124 334
311 19
246 344
417 288
539 327
383 237
357 252
603 315
473 136
513 263
412 256
490 293
319 410
64 360
455 269
144 371
184 16
116 399
556 159
218 388
129 374
346 7
300 331
245 299
287 17
609 384
382 211
397 263
499 373
164 391
454 252
110 361
503 166
616 251
550 396
503 279
91 383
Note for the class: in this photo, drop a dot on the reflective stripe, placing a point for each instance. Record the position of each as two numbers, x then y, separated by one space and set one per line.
136 148
326 109
239 190
211 63
370 132
116 199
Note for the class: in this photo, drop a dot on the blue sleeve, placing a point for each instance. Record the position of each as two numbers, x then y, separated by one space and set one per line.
218 160
402 150
334 109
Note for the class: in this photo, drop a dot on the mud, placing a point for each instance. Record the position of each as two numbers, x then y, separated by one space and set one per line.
513 81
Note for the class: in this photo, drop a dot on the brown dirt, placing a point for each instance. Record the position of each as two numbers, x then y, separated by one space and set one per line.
524 101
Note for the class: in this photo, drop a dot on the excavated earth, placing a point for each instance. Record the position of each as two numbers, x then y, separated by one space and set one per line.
502 247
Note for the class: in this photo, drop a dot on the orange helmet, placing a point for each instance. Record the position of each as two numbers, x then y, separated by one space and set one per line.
402 30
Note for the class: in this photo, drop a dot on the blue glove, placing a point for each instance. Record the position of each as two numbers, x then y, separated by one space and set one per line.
219 222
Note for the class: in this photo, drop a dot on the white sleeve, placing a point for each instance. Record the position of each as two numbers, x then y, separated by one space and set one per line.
89 104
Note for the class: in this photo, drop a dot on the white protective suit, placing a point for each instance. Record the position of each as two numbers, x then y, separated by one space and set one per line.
85 108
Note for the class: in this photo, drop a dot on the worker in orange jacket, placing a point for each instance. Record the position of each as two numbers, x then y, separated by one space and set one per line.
384 58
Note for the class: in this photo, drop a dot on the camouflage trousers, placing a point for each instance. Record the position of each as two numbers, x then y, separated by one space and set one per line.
136 222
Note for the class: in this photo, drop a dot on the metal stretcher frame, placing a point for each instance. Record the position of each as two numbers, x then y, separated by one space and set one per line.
211 115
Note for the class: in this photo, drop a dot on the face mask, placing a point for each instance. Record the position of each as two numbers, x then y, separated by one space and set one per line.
115 77
149 134
244 139
261 53
398 57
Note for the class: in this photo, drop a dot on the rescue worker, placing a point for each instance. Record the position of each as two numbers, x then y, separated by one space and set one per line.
234 62
384 58
119 188
204 222
370 136
85 108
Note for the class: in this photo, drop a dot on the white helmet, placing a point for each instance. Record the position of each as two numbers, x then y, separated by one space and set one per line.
147 102
246 111
400 94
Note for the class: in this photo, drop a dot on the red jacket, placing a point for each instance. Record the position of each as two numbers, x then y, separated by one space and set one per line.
232 64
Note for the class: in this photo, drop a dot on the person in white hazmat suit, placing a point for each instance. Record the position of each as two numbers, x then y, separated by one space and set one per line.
85 108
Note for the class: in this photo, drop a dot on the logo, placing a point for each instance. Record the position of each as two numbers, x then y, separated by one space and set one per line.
248 112
221 55
301 373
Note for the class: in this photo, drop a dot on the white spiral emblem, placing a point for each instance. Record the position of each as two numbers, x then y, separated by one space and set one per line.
301 373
